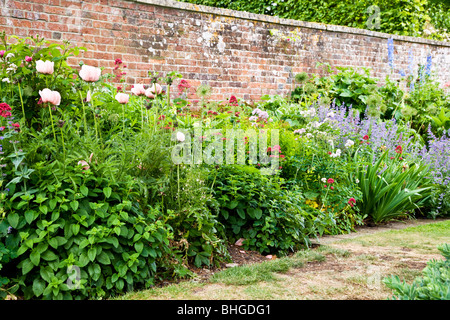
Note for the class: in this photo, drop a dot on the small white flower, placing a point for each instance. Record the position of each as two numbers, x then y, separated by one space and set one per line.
309 135
180 136
357 181
9 55
6 80
349 143
324 180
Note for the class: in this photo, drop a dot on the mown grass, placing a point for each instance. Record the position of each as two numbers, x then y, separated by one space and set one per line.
423 238
273 279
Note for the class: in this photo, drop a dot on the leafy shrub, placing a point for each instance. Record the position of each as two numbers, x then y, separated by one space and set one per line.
434 284
257 208
76 219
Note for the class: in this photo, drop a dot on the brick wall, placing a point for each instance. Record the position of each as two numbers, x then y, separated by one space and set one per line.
234 52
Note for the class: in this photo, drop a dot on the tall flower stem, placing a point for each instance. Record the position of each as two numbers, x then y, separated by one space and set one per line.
21 101
64 148
51 119
84 114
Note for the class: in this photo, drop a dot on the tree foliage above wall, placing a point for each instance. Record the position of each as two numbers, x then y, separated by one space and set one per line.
419 18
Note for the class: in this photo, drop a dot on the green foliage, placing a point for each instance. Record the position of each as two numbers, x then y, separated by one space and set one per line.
259 209
434 284
77 219
403 17
390 191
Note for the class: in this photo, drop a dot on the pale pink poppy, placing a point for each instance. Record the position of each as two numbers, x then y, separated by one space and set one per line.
149 93
45 67
90 74
156 88
48 95
138 89
122 97
447 84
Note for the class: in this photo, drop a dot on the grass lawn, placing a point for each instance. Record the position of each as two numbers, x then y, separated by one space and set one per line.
350 268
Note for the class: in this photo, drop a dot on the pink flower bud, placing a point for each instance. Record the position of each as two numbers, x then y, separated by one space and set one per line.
28 59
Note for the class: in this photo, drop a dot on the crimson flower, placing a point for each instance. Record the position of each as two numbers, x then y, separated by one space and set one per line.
351 201
399 149
366 137
330 180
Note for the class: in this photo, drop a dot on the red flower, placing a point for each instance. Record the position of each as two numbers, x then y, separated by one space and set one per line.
324 186
330 180
5 110
399 149
331 187
366 137
117 61
351 201
233 101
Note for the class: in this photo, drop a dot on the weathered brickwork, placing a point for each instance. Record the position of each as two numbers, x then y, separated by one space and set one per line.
234 52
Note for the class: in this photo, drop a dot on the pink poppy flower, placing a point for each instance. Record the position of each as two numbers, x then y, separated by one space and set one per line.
48 95
122 98
28 59
90 74
45 67
138 89
156 88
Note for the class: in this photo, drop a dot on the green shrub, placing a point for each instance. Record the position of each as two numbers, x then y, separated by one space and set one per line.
77 220
434 284
259 209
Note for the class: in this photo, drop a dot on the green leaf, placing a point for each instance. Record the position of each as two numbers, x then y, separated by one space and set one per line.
233 204
241 213
27 265
35 257
258 213
47 273
49 256
30 216
103 258
107 191
139 246
84 190
74 205
38 287
13 219
43 208
92 252
75 229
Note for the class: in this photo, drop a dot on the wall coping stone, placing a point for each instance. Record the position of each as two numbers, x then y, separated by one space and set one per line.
288 22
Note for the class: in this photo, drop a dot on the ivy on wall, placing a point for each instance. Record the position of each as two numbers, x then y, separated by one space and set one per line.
419 18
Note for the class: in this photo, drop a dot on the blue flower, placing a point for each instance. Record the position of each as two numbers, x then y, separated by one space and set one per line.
391 52
428 65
